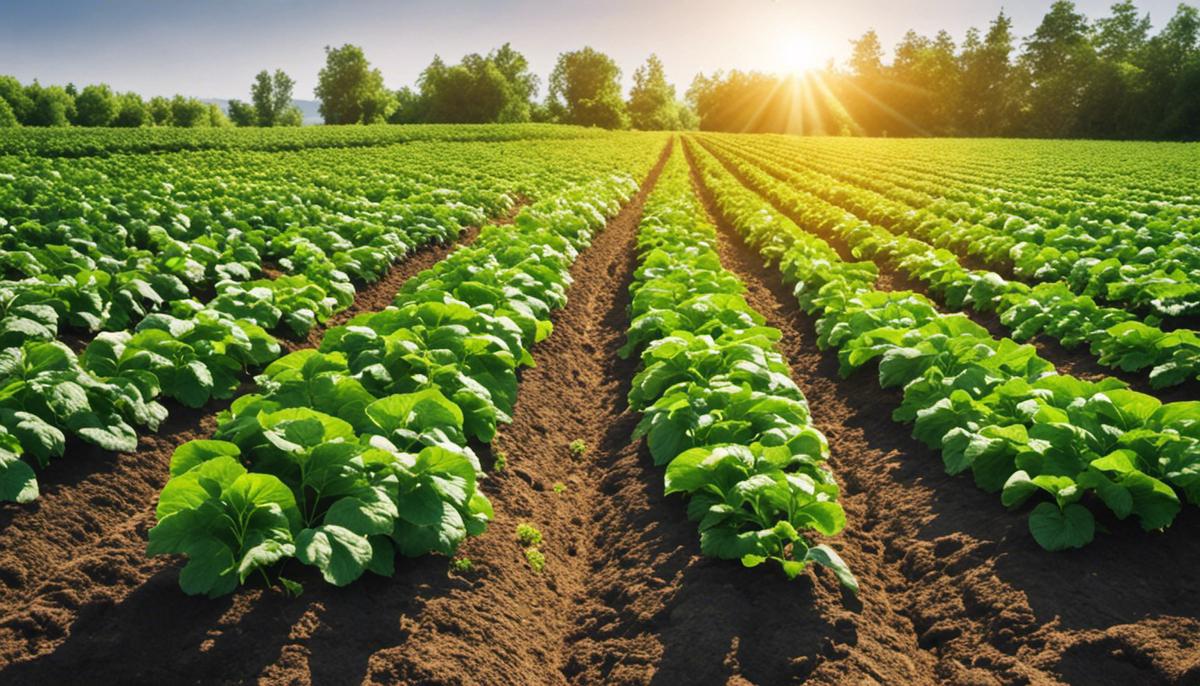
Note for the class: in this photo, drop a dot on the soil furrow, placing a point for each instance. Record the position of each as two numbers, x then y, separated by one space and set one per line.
82 542
944 565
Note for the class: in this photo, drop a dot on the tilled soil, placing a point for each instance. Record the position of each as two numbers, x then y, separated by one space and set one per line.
954 590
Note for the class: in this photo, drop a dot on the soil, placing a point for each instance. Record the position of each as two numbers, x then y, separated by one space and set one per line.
954 590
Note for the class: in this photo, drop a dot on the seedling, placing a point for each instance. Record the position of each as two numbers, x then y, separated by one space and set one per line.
528 535
462 565
560 487
536 560
501 461
578 447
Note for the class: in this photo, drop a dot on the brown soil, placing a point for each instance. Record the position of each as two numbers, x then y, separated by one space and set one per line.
954 590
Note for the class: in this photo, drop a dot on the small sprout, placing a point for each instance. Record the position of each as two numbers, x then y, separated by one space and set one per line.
528 535
462 565
559 487
536 560
501 461
578 447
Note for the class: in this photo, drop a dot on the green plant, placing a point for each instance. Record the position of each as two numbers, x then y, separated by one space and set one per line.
501 462
462 565
560 487
578 447
536 560
528 535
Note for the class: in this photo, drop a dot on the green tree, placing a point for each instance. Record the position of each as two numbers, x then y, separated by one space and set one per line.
652 105
1056 58
587 83
7 118
96 105
1123 34
131 111
242 114
987 87
189 112
410 107
160 111
349 90
522 83
52 106
215 117
272 98
12 92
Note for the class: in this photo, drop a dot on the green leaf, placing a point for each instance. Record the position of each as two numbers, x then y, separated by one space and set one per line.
1055 529
18 483
827 557
340 554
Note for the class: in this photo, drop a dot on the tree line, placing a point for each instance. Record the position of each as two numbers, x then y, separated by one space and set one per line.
1072 78
584 88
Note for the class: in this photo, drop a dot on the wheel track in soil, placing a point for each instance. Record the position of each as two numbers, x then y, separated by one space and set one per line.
84 537
982 600
1078 362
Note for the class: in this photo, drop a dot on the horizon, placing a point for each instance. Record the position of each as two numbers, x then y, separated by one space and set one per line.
221 45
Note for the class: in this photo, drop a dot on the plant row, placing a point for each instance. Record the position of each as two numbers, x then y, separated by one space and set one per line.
1146 259
719 409
992 407
81 142
1114 335
358 451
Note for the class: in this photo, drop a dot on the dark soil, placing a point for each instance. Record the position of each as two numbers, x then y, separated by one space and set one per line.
954 590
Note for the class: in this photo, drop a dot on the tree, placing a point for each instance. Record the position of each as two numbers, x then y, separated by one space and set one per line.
410 107
587 83
472 92
1057 56
272 98
242 114
18 100
652 105
52 106
1123 34
866 58
522 83
349 90
160 111
131 111
215 117
189 112
7 118
96 105
987 85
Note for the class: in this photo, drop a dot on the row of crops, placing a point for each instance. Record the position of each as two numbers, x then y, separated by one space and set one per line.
137 284
131 280
992 406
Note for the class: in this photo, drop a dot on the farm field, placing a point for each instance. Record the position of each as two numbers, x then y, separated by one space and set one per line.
524 404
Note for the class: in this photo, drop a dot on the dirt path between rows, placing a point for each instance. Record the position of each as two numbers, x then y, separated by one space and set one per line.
954 589
79 548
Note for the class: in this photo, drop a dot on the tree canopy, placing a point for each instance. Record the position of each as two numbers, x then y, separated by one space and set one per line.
587 84
350 91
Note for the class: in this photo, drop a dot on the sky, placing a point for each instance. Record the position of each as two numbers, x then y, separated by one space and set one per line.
213 48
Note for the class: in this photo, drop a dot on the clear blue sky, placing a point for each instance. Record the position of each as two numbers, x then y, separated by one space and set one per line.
213 48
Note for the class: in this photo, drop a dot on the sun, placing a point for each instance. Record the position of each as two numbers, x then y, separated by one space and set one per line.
794 54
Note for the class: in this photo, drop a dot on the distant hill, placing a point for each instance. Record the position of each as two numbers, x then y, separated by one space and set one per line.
309 107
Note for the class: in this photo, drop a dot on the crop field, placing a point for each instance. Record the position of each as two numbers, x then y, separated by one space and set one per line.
541 404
